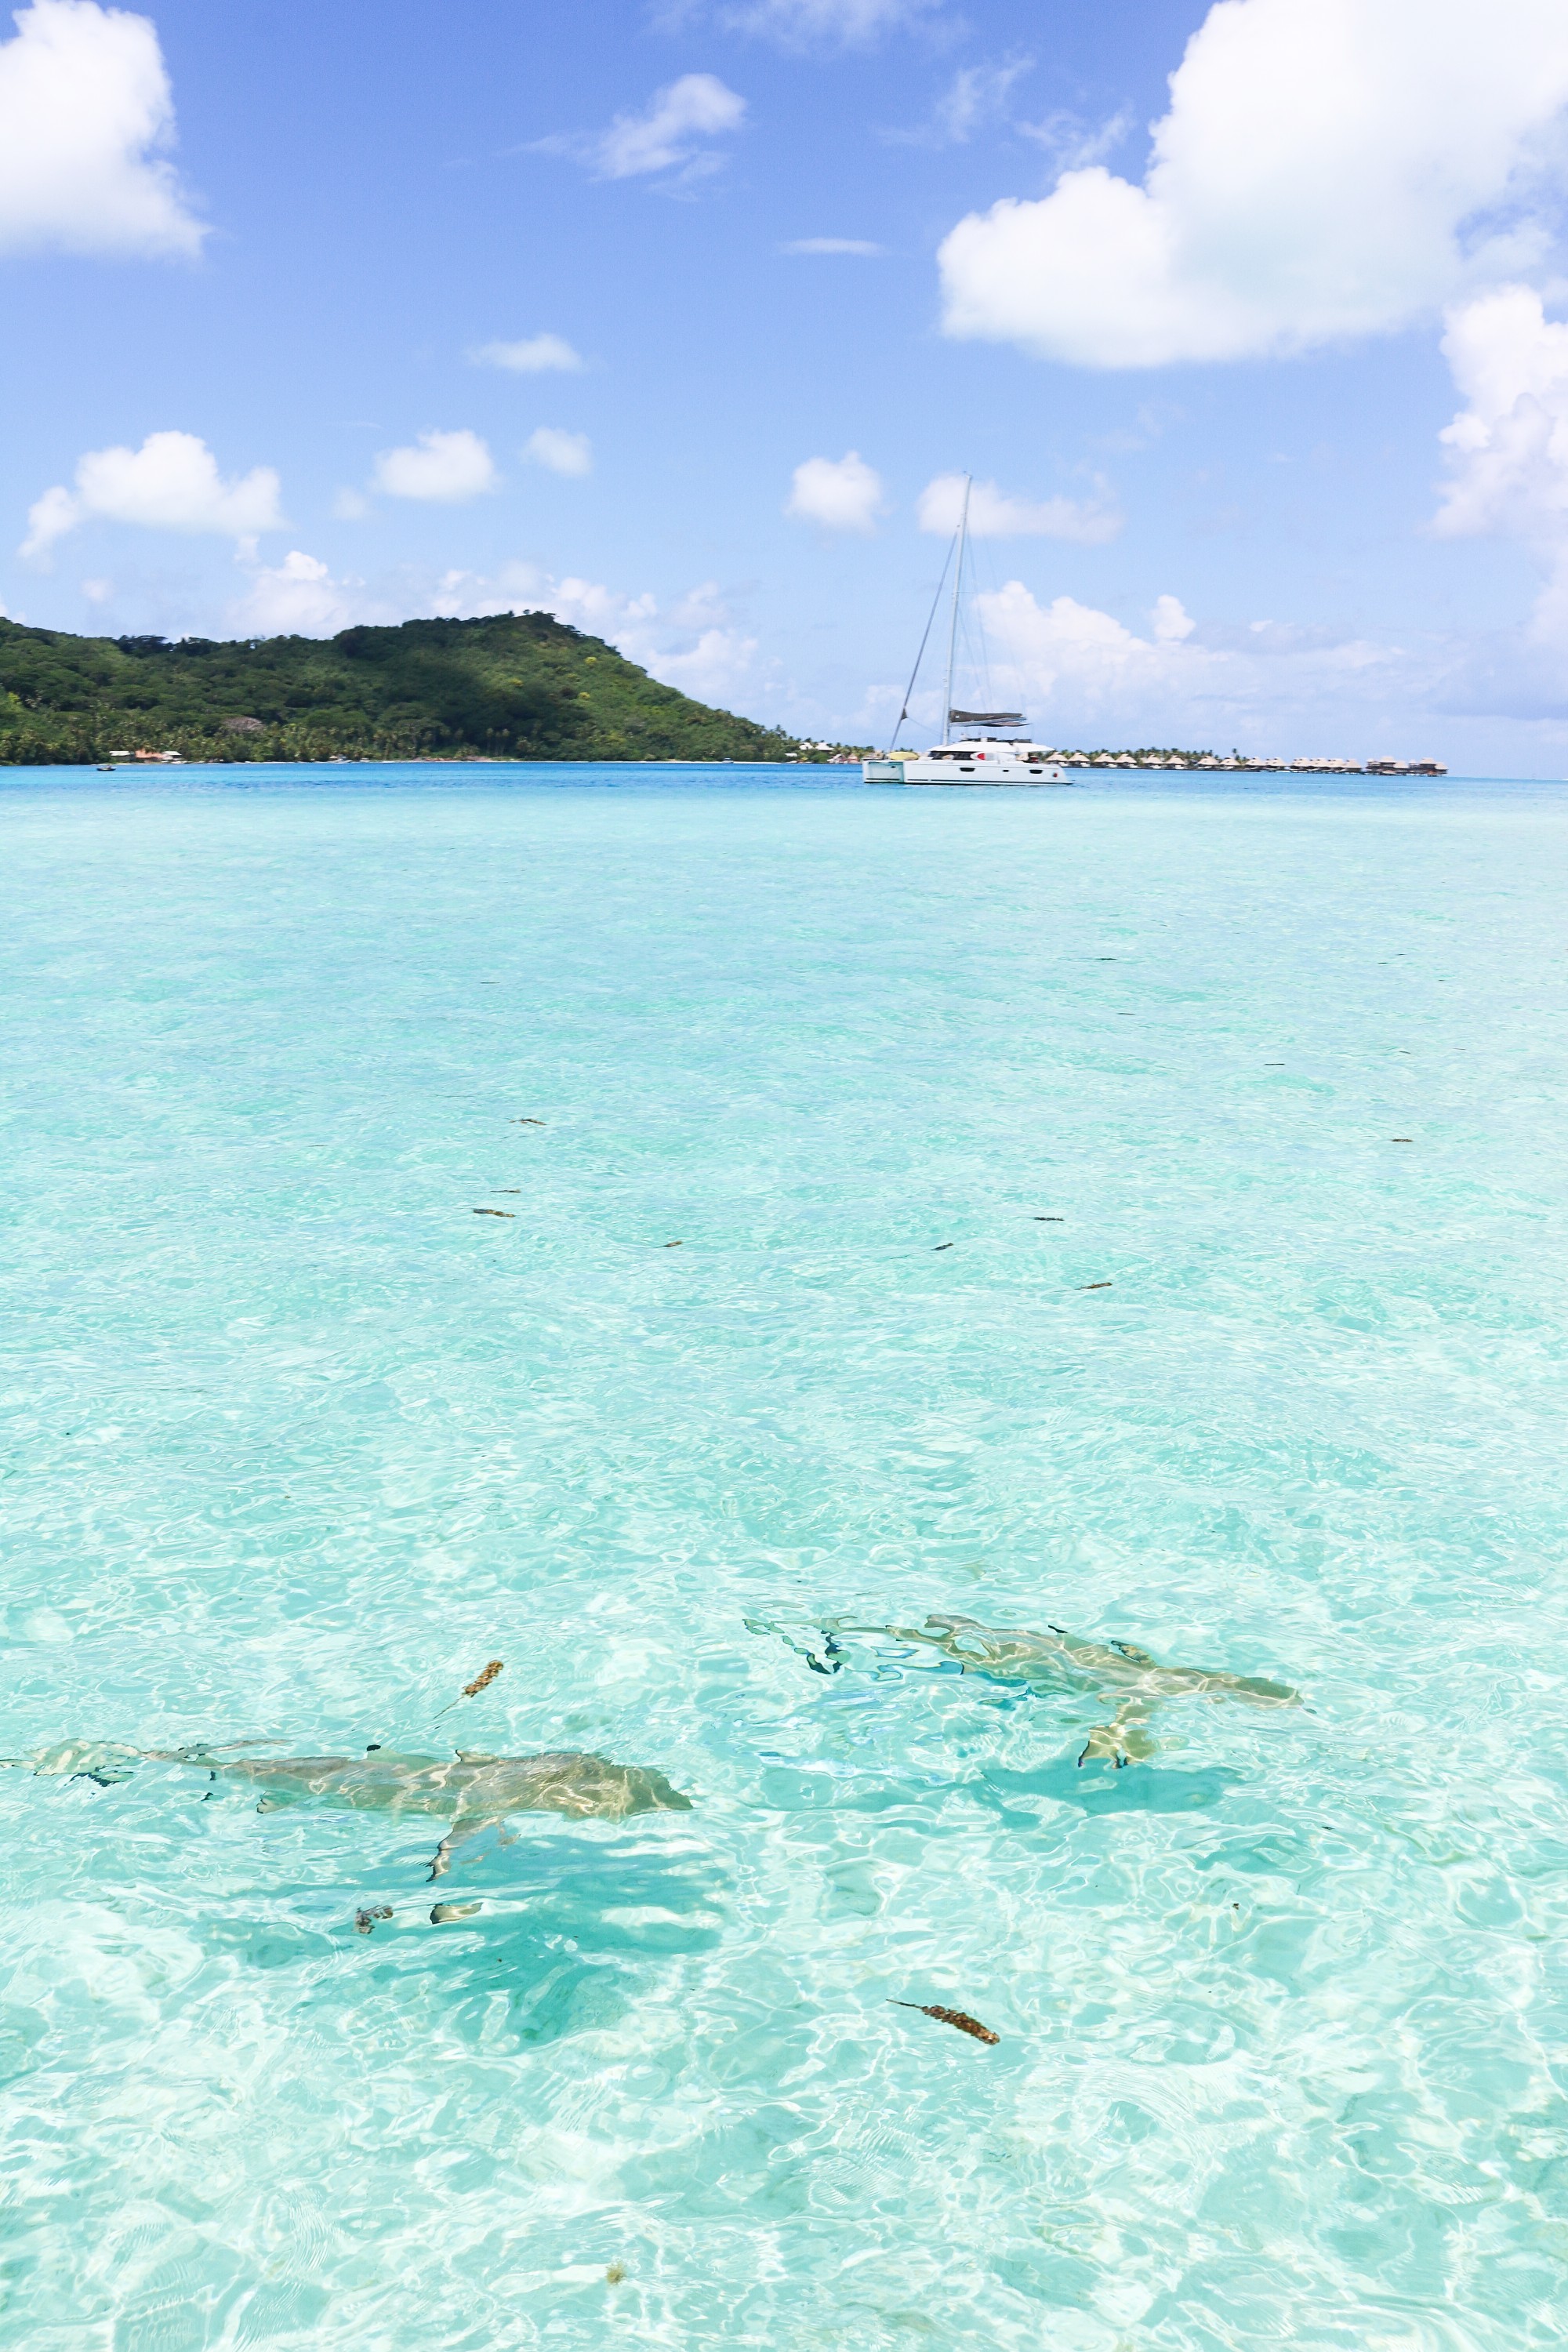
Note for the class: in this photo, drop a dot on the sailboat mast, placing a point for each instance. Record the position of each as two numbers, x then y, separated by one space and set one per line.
953 627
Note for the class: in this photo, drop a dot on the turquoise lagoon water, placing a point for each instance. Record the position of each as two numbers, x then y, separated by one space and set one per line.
297 1442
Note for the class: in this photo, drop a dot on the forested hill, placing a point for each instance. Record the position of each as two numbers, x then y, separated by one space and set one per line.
516 685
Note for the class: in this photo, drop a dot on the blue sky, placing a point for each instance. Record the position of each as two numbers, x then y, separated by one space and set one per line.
275 279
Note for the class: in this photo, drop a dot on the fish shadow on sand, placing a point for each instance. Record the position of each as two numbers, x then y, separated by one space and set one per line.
573 1917
1100 1789
574 1931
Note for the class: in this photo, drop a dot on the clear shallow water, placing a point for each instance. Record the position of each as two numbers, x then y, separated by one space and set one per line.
296 1442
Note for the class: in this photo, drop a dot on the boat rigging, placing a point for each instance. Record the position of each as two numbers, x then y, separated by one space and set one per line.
970 757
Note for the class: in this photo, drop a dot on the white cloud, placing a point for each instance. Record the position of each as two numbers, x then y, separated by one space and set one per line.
669 135
298 597
49 518
1071 142
445 468
716 668
171 483
1082 673
562 453
1328 168
696 645
98 592
842 494
1508 450
693 644
993 515
1067 642
853 245
535 355
975 100
1172 624
350 506
810 24
85 105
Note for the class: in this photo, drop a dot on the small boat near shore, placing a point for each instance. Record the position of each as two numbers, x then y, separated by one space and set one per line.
968 759
985 753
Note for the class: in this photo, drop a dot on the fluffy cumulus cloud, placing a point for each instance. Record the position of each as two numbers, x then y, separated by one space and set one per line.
534 356
696 645
444 468
670 135
1172 624
171 483
1093 654
85 110
1084 675
993 515
1327 169
559 452
299 598
837 493
1508 447
693 644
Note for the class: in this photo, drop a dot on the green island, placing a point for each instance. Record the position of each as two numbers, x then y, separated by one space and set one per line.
516 685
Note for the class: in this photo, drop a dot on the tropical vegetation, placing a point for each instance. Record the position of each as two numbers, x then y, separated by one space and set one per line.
515 685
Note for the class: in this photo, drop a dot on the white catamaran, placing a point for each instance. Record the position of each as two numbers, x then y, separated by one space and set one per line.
980 754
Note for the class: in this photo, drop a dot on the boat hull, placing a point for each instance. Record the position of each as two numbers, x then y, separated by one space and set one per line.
991 770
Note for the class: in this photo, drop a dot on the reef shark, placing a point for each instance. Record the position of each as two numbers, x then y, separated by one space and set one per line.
472 1790
1055 1660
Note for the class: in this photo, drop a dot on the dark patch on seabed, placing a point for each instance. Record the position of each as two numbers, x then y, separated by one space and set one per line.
1097 1789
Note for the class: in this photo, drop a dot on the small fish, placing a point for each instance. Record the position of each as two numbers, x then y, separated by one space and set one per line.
942 1245
495 1213
675 1245
443 1911
1050 1221
958 2017
364 1921
507 1192
1094 1285
482 1681
1401 1139
525 1122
